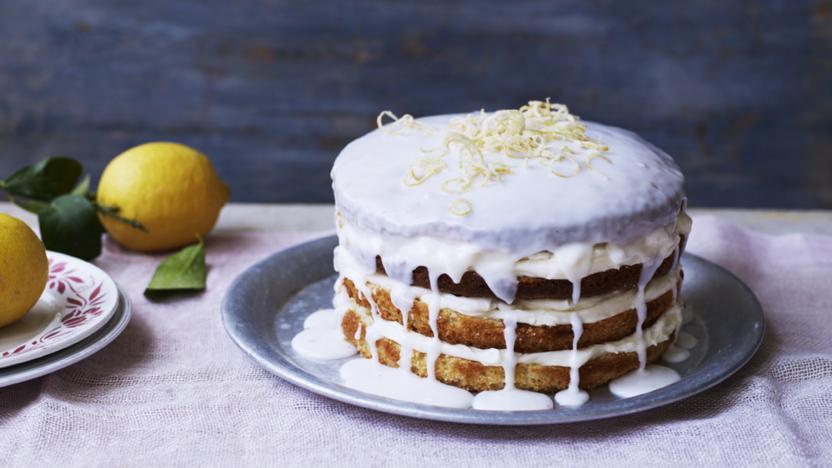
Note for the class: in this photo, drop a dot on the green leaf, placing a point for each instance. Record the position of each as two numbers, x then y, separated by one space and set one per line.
45 180
182 271
83 187
70 225
32 206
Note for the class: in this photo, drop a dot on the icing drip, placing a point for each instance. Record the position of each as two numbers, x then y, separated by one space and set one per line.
403 297
686 340
660 331
360 269
573 395
510 361
532 312
687 316
510 398
357 334
675 354
371 336
499 269
322 338
404 302
405 358
369 376
647 271
680 350
576 261
433 321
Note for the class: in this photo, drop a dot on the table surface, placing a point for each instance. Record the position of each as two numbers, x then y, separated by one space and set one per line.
173 387
238 217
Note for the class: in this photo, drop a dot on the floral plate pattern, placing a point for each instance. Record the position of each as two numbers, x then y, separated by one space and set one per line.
78 300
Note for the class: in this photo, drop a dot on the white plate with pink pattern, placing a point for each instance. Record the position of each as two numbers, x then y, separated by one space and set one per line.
78 300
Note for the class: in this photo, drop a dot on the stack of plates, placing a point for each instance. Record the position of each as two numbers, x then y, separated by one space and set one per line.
80 312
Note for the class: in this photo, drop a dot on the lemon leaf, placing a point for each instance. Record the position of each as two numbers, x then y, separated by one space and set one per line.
182 271
46 179
32 206
70 225
83 187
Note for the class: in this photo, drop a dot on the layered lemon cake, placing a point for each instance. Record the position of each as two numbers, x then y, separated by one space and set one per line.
507 252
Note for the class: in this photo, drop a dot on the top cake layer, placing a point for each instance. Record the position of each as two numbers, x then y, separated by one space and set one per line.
629 192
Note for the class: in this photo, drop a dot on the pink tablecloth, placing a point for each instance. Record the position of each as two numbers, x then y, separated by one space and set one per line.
174 388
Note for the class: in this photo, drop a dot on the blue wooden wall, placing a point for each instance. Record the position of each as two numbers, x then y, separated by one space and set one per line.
739 92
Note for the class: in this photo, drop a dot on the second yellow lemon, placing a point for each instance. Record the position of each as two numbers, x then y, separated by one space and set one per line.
171 189
23 269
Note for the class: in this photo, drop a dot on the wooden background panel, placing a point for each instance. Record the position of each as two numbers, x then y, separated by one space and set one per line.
738 92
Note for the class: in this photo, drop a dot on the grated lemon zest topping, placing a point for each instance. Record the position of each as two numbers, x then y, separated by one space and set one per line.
479 139
399 125
460 207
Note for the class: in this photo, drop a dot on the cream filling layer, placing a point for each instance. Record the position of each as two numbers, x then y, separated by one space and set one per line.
660 331
500 269
533 312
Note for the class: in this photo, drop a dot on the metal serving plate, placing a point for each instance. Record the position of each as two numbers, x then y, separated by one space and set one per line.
266 306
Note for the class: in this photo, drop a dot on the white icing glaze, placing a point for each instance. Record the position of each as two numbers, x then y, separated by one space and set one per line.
573 395
510 398
686 341
641 381
323 344
432 350
532 312
401 297
641 191
658 332
370 377
687 316
357 335
500 269
510 233
647 271
675 354
324 318
322 337
683 221
679 351
510 360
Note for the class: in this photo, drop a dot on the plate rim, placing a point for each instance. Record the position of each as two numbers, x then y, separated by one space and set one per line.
300 377
54 347
65 357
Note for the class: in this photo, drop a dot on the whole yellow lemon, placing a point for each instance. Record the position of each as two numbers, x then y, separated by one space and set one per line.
24 269
171 189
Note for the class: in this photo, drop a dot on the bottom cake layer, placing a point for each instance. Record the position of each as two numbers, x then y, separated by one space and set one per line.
476 376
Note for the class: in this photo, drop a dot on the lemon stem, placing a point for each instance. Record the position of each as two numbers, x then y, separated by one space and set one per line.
112 212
